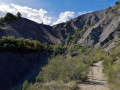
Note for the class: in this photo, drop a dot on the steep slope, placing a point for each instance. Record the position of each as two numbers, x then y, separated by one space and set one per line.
64 29
104 26
24 28
103 31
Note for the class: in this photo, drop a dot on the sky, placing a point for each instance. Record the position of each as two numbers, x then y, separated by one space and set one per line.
52 12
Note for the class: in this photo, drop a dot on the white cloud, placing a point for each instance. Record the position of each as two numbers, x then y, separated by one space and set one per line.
63 17
81 13
32 14
39 16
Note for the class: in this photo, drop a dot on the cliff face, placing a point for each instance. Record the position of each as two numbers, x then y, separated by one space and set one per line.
14 67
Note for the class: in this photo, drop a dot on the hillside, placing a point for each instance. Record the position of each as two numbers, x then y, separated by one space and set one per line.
93 28
24 28
67 60
102 26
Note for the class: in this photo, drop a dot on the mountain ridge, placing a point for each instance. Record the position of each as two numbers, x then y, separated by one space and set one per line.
99 23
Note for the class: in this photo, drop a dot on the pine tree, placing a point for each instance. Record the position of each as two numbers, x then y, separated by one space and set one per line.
19 15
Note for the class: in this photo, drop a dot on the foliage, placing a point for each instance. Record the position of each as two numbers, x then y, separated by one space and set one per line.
112 68
19 44
69 37
25 85
61 71
59 68
116 3
77 34
98 54
9 17
57 49
76 48
18 15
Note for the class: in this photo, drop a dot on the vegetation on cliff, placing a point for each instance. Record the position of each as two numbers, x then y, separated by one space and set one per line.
21 45
112 68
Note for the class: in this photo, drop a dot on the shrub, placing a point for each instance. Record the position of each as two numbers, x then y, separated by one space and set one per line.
25 85
22 45
60 68
57 49
112 68
69 37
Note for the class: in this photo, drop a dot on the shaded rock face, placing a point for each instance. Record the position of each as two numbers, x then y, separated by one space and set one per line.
15 66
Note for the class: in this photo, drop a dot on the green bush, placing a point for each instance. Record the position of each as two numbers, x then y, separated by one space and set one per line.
57 49
69 37
25 85
112 68
60 68
22 45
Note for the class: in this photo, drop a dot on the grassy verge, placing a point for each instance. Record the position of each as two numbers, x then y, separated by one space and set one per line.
112 68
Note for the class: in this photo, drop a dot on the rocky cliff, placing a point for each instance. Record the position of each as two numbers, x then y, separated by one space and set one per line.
17 67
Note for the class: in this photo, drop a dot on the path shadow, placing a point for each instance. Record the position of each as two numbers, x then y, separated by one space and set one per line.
94 83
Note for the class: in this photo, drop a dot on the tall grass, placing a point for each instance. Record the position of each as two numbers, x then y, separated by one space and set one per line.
112 68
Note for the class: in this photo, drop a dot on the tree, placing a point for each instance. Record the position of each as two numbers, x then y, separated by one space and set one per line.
19 15
110 8
116 3
69 37
9 17
57 49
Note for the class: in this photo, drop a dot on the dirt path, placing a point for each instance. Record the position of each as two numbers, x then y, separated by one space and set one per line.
96 79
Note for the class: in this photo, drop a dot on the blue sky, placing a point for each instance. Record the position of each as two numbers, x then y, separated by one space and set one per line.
55 8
